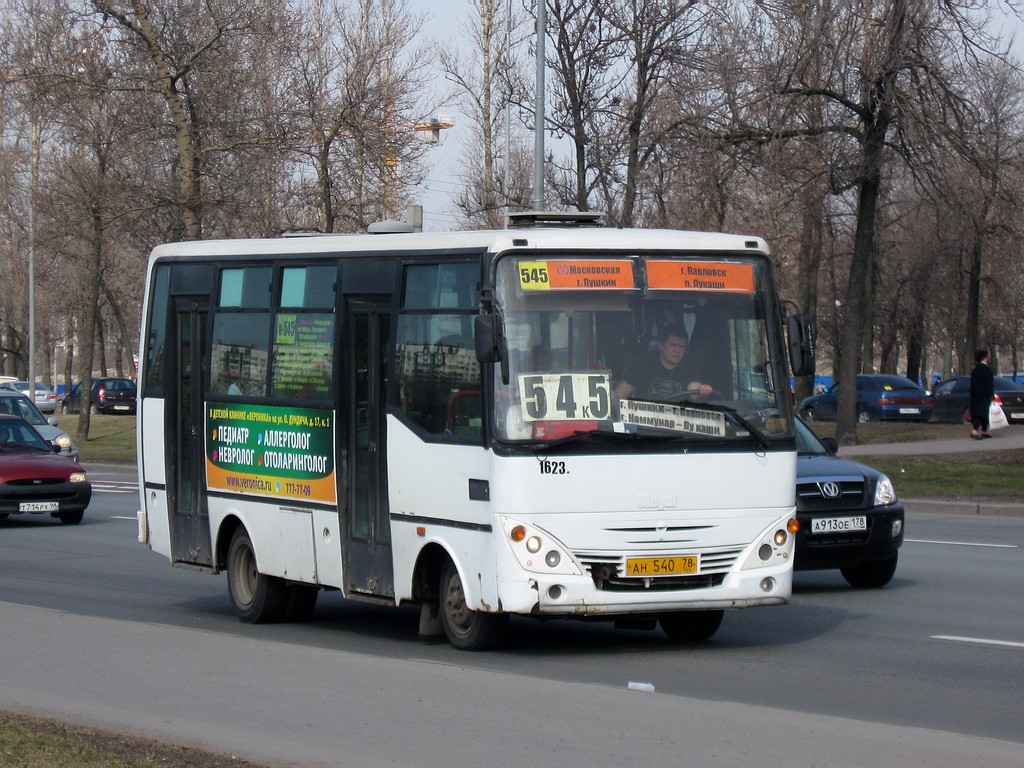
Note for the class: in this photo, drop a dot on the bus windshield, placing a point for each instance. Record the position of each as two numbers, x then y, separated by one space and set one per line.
661 347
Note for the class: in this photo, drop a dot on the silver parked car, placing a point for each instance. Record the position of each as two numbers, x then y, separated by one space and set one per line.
44 397
19 405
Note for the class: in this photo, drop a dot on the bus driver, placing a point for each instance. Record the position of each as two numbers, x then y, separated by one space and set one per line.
662 377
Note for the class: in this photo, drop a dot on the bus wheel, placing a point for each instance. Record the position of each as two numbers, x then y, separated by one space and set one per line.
467 630
871 575
258 599
690 626
301 602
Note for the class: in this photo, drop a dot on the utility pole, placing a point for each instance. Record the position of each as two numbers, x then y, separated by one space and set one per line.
538 117
33 172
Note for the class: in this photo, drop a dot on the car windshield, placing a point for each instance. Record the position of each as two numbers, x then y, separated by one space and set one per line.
585 336
807 443
893 382
126 385
20 406
19 436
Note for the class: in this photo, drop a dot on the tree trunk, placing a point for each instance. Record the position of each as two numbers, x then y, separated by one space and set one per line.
973 304
811 235
852 334
89 325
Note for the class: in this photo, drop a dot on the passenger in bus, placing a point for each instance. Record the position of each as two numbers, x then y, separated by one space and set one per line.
540 359
663 376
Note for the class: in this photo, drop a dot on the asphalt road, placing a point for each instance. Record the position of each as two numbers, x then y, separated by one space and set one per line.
97 629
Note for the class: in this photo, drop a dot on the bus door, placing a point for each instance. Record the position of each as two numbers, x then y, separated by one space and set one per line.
186 461
367 537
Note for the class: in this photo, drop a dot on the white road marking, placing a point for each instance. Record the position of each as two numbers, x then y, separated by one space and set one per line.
107 486
979 640
962 543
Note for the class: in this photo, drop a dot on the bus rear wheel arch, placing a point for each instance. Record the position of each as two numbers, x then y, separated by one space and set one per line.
258 598
466 629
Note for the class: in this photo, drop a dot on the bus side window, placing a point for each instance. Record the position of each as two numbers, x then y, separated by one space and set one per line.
436 369
437 372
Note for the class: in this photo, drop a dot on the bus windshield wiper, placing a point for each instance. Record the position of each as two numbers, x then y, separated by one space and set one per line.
759 437
605 435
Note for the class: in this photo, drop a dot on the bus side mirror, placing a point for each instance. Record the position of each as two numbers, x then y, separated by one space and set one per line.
801 344
487 338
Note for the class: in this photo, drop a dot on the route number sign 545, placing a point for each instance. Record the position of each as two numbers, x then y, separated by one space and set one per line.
565 396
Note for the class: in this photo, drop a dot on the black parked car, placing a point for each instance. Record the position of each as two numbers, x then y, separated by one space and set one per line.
951 398
849 515
108 395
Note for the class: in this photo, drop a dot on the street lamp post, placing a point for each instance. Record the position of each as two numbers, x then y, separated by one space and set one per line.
33 170
538 128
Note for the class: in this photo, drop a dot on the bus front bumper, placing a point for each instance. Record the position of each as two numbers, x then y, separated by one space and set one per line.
580 595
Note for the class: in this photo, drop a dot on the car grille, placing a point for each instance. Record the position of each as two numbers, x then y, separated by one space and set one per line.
35 483
810 497
605 568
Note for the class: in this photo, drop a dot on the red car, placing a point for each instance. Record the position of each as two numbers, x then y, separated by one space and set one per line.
36 480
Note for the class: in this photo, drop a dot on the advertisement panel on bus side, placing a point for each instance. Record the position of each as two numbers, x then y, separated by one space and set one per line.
271 451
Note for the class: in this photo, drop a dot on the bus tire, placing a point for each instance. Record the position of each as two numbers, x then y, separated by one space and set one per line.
466 629
690 626
258 598
871 575
301 602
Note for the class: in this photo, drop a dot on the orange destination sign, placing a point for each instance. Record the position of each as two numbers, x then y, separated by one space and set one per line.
700 276
575 275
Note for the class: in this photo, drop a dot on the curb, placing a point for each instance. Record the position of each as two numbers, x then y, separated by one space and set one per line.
985 508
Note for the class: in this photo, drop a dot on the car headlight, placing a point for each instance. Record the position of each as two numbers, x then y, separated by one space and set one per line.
885 494
64 441
77 477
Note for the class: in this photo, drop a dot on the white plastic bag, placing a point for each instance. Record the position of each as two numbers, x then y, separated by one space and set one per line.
996 417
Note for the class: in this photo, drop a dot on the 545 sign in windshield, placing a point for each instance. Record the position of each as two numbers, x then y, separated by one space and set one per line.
565 396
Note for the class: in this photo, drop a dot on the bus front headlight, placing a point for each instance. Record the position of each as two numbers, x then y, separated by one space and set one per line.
527 542
775 546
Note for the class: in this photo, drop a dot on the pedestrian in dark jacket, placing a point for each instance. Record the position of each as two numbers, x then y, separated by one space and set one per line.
982 394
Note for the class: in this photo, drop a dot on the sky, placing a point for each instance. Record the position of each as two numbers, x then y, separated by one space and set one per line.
435 194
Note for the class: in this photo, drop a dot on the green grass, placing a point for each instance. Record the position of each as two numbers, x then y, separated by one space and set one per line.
876 432
996 475
989 476
111 438
32 742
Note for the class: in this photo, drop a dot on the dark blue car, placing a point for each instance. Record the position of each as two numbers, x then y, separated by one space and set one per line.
880 397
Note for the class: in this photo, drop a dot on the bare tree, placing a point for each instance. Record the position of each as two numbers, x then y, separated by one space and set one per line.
586 72
887 67
197 53
487 79
356 78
